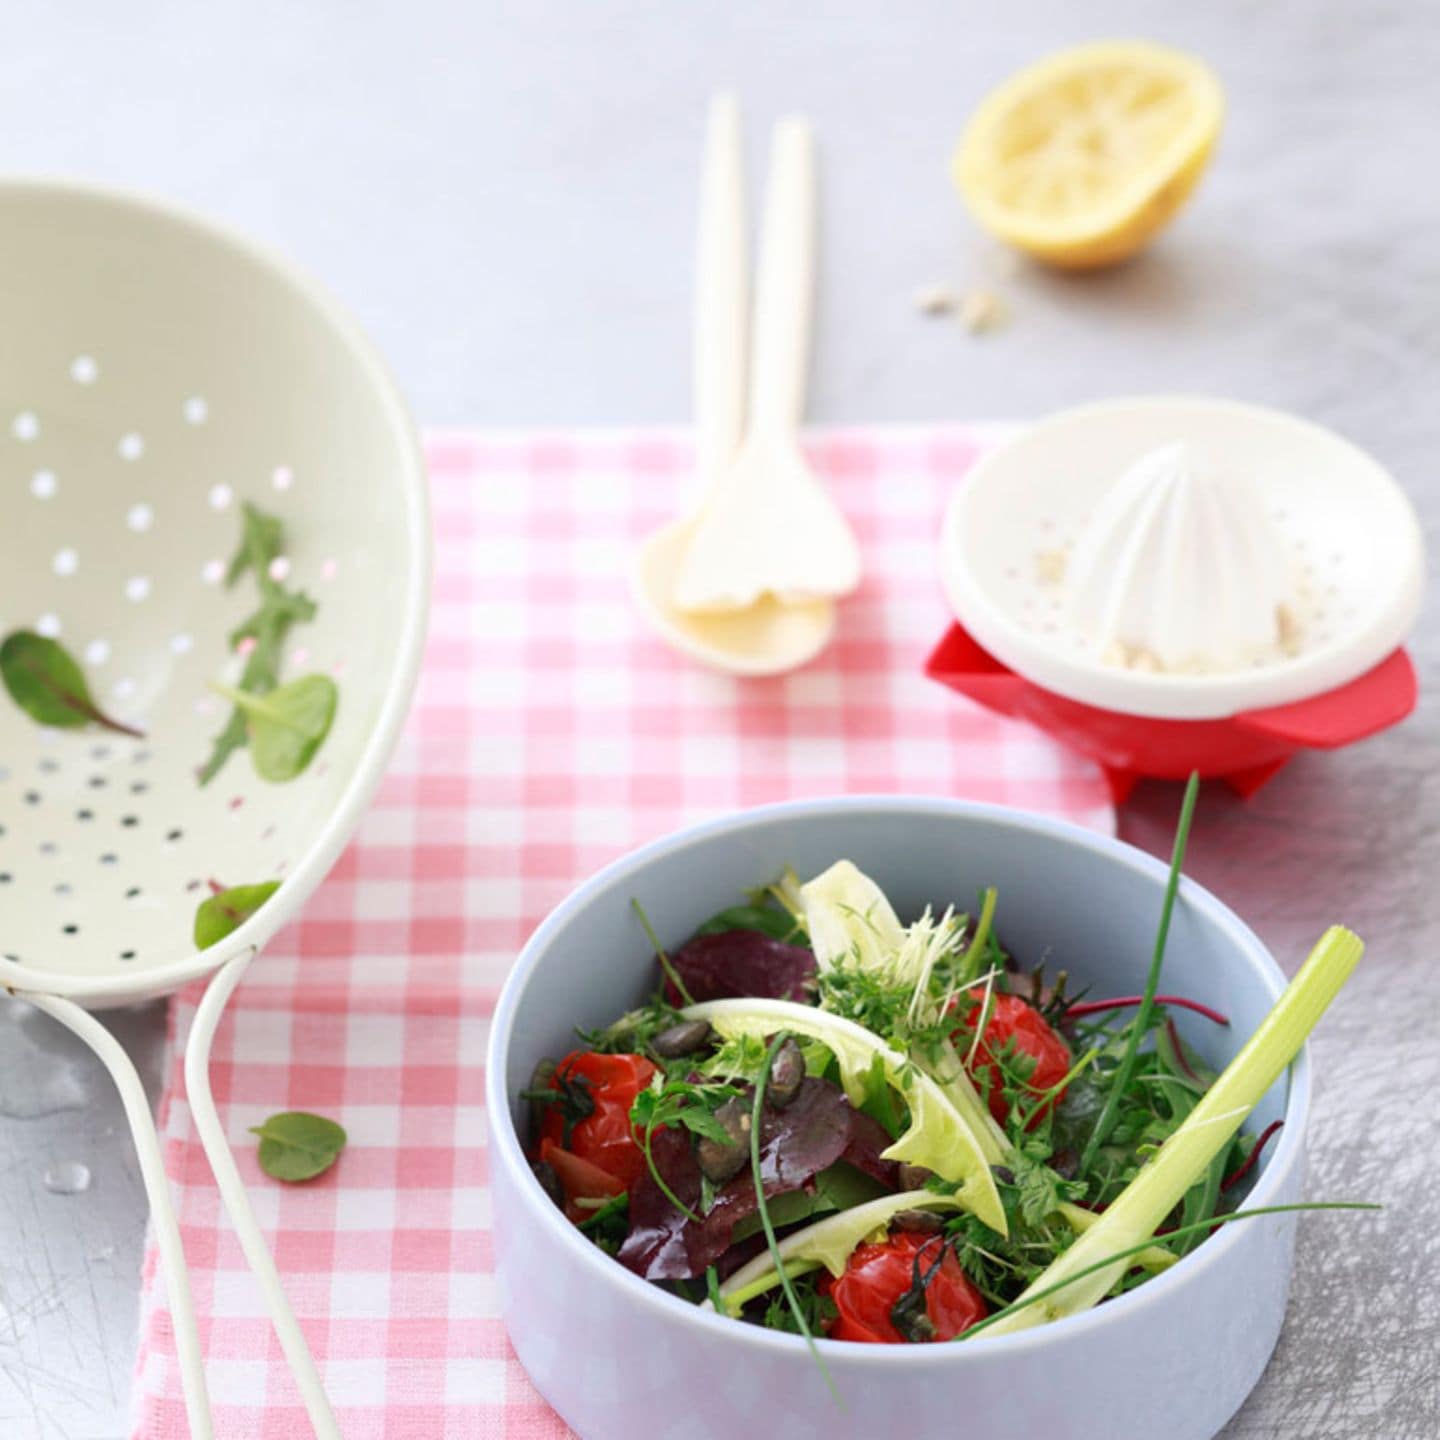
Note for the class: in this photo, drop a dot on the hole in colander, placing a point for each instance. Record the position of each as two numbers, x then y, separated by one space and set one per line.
98 782
109 858
66 561
129 821
84 814
25 426
70 929
127 954
195 410
32 797
4 877
212 572
84 370
139 518
99 752
220 497
63 888
48 765
47 847
137 588
43 484
140 757
131 446
48 625
138 787
283 477
132 893
97 652
174 835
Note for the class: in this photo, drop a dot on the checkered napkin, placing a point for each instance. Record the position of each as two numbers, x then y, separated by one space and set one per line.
552 732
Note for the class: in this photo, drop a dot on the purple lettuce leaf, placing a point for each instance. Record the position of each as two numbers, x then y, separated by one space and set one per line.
815 1130
739 963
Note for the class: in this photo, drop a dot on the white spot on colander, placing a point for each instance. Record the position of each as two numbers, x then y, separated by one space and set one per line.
140 518
279 568
123 688
66 561
220 497
212 572
196 410
97 652
283 477
25 426
182 644
137 588
84 370
131 446
42 484
48 625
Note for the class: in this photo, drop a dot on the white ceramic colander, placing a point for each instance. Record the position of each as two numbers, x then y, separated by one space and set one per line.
155 373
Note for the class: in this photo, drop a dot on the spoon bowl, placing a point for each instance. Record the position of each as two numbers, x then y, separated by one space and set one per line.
766 638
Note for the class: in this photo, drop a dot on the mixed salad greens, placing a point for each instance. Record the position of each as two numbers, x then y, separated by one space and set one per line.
831 1122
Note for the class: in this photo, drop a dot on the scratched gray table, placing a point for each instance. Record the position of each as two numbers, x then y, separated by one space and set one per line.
506 200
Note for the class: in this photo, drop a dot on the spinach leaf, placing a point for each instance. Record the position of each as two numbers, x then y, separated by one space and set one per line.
287 725
228 910
298 1146
47 683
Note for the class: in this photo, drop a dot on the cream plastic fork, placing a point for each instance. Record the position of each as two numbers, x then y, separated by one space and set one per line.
769 528
766 637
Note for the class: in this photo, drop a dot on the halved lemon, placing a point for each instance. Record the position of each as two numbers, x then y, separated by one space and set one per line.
1082 158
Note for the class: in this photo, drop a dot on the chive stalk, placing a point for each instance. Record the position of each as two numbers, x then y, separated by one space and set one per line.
1140 1208
1110 1113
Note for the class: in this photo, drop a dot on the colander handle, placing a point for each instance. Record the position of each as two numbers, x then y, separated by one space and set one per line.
157 1190
237 1202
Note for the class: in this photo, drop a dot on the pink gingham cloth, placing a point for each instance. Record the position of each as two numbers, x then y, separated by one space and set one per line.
552 732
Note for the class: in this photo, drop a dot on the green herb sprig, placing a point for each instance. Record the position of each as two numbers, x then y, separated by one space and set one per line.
280 609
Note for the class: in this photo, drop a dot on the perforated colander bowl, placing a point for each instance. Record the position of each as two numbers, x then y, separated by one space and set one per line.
156 372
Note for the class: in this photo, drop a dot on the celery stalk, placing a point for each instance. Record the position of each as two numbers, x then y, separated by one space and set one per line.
1182 1159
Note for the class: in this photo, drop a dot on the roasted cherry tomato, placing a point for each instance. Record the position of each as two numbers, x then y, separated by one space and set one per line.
579 1179
878 1277
1016 1028
591 1116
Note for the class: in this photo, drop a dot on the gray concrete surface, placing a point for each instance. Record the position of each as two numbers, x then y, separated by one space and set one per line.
505 196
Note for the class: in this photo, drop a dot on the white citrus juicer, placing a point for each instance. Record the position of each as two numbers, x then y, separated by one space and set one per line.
1182 583
157 374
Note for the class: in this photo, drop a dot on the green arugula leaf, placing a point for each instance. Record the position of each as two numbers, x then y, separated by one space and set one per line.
228 909
47 683
287 725
297 1146
262 541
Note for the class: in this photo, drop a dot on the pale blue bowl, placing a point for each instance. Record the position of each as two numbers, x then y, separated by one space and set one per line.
619 1358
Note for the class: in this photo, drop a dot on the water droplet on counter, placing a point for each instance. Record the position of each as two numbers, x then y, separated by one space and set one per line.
67 1177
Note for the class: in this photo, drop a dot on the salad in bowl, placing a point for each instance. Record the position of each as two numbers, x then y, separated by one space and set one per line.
843 1115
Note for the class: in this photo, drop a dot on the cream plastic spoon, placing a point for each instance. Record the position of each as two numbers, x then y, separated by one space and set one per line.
769 528
765 638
